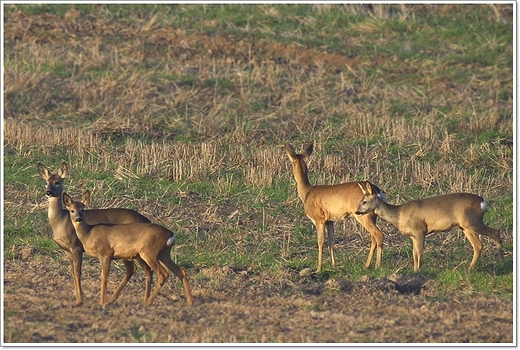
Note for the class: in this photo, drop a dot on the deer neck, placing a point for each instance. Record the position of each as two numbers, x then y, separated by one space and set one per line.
82 230
56 211
388 212
302 181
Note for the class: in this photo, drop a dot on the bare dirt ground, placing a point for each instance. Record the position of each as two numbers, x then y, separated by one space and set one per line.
241 306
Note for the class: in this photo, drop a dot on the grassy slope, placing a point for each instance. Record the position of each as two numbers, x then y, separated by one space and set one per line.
180 111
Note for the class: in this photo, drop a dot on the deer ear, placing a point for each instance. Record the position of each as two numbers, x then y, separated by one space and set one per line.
369 188
42 169
63 171
307 151
360 184
85 199
66 199
382 196
290 151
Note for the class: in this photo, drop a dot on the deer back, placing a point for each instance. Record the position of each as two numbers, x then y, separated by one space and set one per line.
335 202
113 216
440 213
127 240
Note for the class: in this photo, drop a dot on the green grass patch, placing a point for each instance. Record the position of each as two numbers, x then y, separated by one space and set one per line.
27 231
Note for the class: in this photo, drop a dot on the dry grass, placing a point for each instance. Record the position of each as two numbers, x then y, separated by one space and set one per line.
151 96
265 166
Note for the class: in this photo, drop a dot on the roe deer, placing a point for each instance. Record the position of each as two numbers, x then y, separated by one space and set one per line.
149 242
418 218
324 204
63 230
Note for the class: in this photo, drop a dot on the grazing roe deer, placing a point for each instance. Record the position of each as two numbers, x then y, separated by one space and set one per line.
65 235
324 204
418 218
149 242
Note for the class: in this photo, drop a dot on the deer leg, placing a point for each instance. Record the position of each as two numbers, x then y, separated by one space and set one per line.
105 270
76 259
162 275
493 234
166 260
330 240
148 273
368 221
320 232
477 247
414 254
499 249
373 246
130 270
417 247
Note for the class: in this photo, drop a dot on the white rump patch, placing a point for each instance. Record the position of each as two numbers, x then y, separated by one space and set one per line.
483 206
170 241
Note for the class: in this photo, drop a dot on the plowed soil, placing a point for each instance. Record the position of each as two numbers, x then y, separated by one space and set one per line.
236 305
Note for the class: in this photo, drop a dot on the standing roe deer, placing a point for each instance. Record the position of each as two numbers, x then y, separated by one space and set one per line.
65 235
324 204
418 218
149 242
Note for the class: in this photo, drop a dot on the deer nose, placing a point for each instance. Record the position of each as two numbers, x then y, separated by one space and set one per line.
79 220
48 193
359 213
